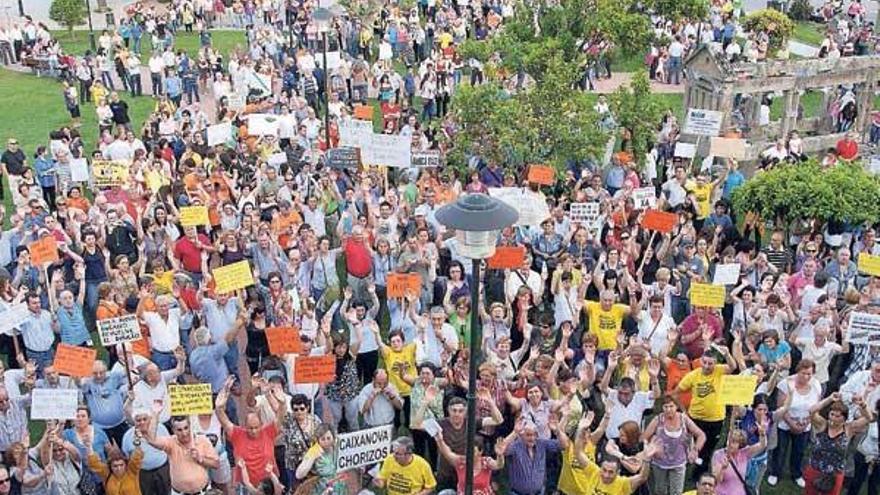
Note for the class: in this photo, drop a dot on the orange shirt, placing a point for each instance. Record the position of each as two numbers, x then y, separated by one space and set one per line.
674 374
80 203
106 310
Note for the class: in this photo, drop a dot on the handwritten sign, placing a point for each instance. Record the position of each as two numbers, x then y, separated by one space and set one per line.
117 330
283 340
685 150
869 264
219 133
542 174
314 369
398 284
79 170
344 157
12 317
354 132
728 147
363 447
864 328
703 122
659 221
388 150
726 274
74 361
262 124
363 112
192 216
707 295
584 213
236 101
425 159
232 277
644 198
507 257
107 173
191 399
737 390
54 403
44 251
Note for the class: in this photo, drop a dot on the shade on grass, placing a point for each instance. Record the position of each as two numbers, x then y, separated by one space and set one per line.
223 40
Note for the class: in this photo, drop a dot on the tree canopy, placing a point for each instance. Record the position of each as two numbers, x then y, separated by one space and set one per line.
68 13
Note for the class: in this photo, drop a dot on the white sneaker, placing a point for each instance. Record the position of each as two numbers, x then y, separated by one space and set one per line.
800 482
772 480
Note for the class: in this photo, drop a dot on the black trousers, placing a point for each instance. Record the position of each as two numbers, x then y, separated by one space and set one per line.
712 429
156 481
367 362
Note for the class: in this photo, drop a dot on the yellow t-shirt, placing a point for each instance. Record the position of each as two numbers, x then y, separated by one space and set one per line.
445 39
405 357
606 324
406 480
595 485
703 195
705 400
573 479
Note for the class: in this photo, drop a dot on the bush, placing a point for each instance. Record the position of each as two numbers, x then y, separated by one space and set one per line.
800 10
776 24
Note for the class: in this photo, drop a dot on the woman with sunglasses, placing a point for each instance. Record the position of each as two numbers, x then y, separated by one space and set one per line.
297 434
61 459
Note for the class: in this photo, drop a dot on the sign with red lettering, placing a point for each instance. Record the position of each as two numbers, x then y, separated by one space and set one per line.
542 174
314 369
507 257
659 221
74 361
283 340
398 284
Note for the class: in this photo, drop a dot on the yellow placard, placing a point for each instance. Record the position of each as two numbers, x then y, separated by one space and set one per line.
738 390
707 295
108 173
191 216
233 277
191 399
869 264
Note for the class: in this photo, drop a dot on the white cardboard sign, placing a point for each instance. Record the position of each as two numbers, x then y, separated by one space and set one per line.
54 403
117 330
364 447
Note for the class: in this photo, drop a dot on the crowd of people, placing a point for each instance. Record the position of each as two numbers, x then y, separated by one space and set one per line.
597 373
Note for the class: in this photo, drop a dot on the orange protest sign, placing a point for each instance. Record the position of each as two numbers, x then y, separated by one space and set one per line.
398 284
283 340
314 369
141 347
74 361
363 112
507 257
659 221
44 251
542 174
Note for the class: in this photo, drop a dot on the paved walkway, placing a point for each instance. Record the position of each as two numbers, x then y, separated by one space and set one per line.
802 49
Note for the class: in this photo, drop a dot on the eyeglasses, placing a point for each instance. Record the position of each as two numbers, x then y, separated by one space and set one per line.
299 408
5 480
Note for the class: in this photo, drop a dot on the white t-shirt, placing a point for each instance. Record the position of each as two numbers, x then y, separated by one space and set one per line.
820 355
647 325
799 410
164 334
620 413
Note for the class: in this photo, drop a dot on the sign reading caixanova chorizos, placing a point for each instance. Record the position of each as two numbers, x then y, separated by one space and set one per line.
363 448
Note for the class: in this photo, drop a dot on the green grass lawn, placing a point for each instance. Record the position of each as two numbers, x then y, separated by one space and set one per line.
811 33
224 40
622 62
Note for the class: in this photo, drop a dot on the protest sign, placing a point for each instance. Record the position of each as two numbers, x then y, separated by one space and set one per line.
121 329
74 361
398 284
283 340
685 150
726 274
191 399
233 277
314 369
738 390
44 251
388 150
584 213
344 157
277 159
54 403
262 124
644 198
79 170
659 220
192 216
427 158
541 174
219 133
507 257
107 173
236 101
364 447
703 122
12 317
363 112
864 328
869 264
707 295
354 132
261 83
531 206
728 147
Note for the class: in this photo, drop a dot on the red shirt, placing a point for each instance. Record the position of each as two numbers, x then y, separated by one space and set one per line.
256 452
189 255
357 259
847 149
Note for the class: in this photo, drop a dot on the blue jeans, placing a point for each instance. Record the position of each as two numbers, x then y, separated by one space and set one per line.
798 446
164 360
92 296
42 358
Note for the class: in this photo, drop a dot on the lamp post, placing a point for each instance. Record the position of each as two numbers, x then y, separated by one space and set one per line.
91 30
20 8
476 218
323 17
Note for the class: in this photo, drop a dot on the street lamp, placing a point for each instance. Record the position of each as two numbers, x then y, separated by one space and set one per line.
20 8
323 17
91 31
476 218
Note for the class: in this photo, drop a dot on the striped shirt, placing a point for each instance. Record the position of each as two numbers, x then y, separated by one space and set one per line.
37 331
781 258
13 422
527 474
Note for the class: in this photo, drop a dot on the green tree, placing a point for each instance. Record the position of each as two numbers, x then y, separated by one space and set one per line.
69 13
680 9
844 193
776 24
637 111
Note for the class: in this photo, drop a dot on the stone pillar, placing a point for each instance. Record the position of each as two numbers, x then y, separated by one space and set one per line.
789 112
